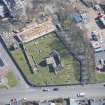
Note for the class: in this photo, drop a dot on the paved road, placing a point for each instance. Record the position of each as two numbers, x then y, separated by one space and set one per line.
64 92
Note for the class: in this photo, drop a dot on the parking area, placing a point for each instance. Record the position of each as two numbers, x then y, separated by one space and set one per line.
99 41
89 23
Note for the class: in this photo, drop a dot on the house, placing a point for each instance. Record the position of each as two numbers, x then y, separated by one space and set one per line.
15 7
97 102
78 101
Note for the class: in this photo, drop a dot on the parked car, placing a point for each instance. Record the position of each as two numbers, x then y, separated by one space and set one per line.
24 98
45 89
82 94
55 89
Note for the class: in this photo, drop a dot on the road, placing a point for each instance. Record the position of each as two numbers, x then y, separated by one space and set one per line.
96 90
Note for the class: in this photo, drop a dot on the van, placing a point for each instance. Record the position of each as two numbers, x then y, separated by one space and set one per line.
82 94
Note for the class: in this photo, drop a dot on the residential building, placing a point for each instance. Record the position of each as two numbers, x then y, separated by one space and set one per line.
15 7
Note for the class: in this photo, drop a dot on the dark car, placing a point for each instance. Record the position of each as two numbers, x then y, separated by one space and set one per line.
55 89
104 85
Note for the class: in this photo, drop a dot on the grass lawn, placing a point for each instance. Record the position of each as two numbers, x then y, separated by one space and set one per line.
41 48
100 77
59 104
11 79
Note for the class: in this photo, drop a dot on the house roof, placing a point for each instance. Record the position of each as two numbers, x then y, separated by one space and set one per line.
77 18
100 1
95 44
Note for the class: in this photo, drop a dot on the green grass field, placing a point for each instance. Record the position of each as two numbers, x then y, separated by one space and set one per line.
9 81
41 48
100 77
12 81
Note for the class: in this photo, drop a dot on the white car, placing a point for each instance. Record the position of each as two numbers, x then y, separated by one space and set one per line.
45 89
82 94
24 98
